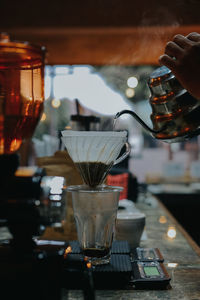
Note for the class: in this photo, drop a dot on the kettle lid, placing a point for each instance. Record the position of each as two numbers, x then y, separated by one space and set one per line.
159 75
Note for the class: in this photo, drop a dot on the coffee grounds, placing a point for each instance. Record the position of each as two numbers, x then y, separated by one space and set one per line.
93 173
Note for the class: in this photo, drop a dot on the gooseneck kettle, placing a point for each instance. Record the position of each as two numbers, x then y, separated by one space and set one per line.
175 113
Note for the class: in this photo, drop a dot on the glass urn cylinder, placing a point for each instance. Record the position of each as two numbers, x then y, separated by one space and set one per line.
21 91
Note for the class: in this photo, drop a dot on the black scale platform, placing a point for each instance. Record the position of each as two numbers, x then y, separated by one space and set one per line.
120 273
116 274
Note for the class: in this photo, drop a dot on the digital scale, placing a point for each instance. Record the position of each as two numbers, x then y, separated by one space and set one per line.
141 268
148 269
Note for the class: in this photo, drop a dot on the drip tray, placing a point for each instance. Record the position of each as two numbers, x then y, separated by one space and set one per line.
115 275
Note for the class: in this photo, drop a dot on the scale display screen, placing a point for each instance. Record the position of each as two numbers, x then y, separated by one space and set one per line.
151 271
150 274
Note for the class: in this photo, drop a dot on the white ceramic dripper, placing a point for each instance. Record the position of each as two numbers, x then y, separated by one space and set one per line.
95 152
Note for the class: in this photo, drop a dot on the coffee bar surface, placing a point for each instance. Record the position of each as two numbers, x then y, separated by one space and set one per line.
181 258
180 252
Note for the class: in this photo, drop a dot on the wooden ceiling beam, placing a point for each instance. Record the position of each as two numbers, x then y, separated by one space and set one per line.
102 45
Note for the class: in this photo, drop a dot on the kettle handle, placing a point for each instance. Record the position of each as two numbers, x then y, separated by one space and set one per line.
133 114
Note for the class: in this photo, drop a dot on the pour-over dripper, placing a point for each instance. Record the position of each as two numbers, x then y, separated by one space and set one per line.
95 152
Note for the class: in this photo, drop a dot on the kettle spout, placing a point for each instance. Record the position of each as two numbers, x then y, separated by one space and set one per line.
137 118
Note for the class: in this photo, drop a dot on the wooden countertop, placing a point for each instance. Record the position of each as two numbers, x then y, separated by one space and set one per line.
181 254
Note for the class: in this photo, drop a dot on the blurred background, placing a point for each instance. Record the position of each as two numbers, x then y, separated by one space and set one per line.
100 56
103 91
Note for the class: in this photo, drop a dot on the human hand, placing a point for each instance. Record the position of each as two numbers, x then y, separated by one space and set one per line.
182 57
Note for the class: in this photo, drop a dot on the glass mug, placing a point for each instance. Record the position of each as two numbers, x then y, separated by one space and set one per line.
95 212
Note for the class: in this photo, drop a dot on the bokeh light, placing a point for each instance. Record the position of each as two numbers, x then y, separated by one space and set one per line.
132 82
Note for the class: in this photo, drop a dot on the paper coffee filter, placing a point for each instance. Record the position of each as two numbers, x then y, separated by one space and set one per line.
94 146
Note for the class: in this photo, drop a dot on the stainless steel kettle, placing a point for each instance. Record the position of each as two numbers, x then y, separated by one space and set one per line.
175 113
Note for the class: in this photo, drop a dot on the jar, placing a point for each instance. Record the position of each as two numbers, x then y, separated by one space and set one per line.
21 91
